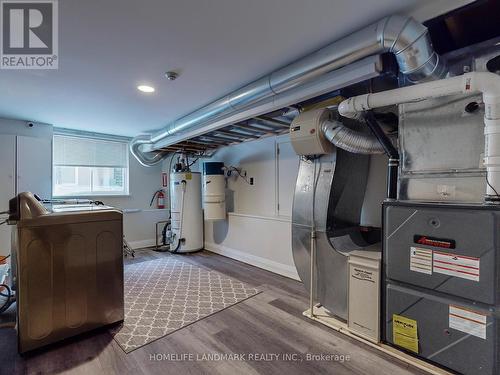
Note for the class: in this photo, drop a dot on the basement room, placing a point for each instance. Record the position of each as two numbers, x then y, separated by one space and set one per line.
250 187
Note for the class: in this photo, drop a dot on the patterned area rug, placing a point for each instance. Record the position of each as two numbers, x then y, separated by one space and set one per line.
164 295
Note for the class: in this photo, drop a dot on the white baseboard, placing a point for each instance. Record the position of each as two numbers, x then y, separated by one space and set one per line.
140 244
267 264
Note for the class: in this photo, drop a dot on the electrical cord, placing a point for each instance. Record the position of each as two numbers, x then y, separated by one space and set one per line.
7 302
179 238
491 186
195 160
188 164
3 261
172 159
234 169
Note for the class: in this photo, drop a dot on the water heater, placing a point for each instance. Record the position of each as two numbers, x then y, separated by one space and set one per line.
214 191
186 212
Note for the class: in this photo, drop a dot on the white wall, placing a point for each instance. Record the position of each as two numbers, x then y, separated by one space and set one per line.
16 142
19 127
139 218
262 241
254 232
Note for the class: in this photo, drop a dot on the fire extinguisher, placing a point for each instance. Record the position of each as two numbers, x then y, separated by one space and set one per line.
160 199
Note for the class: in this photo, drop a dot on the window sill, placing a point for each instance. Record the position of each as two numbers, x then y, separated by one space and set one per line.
91 196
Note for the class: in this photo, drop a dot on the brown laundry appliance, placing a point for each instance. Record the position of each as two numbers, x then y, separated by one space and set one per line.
68 269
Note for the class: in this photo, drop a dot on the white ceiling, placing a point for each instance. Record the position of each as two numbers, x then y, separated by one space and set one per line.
109 47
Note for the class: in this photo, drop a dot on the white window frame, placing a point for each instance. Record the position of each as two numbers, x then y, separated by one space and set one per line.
125 193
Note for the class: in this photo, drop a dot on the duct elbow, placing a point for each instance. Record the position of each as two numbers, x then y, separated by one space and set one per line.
411 44
147 159
489 85
351 140
352 107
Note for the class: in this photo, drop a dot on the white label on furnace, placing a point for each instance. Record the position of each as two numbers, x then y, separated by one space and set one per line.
468 321
421 260
456 265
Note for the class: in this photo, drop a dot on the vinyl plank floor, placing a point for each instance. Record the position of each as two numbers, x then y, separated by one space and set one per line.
269 323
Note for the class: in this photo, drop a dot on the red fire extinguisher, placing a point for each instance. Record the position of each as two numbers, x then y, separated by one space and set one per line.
160 199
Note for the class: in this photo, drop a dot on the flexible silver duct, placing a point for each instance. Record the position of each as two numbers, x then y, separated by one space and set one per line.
351 140
406 38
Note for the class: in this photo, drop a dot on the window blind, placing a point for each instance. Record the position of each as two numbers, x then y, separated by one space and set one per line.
88 152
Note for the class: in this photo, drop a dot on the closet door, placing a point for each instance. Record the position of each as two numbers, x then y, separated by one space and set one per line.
7 185
34 166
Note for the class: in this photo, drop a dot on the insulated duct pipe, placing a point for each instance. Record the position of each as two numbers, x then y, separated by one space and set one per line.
406 38
147 159
351 140
486 83
361 143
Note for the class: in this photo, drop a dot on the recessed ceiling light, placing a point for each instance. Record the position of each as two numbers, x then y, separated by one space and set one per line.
145 88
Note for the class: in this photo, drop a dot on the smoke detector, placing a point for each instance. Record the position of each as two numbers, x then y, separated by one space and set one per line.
171 75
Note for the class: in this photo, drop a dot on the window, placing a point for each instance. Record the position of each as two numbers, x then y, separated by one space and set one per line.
87 166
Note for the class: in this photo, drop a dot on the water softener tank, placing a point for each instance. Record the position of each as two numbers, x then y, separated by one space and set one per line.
186 212
214 195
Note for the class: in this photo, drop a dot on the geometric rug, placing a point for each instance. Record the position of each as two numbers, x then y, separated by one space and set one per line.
164 295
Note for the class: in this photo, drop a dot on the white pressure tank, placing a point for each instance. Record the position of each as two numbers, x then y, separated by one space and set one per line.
214 191
186 212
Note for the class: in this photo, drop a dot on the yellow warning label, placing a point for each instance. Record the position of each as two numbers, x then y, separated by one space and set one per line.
189 176
404 332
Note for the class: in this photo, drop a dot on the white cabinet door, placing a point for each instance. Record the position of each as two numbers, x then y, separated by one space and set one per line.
7 185
34 166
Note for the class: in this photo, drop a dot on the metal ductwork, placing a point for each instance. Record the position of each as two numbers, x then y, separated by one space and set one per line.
147 159
351 140
406 38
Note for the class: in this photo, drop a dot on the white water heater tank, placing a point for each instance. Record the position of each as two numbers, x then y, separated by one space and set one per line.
186 212
214 191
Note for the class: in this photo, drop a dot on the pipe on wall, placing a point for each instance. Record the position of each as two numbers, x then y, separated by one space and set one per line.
478 82
404 37
390 150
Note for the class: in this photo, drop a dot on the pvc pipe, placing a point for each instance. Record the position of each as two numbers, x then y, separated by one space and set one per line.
477 82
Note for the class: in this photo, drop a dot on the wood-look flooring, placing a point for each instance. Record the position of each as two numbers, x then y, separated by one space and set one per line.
269 323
